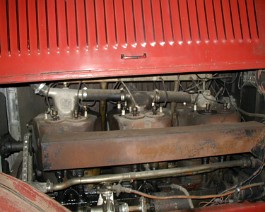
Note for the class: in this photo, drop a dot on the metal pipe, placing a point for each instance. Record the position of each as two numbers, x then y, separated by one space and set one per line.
114 94
40 88
169 96
182 171
103 107
118 95
9 145
135 208
101 94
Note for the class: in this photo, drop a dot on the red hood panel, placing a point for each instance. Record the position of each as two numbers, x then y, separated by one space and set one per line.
68 39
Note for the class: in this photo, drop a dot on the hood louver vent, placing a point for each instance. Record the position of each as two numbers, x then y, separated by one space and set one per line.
34 26
74 39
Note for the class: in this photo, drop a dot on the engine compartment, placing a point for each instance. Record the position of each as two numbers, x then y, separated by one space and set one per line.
148 143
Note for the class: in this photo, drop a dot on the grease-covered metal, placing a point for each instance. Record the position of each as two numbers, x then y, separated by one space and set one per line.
95 149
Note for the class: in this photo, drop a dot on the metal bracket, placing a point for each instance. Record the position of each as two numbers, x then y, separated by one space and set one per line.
27 160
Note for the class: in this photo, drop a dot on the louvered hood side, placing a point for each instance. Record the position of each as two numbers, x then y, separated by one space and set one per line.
70 39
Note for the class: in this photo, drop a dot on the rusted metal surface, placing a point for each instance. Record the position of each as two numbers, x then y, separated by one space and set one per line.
186 117
170 205
61 126
48 126
18 196
57 40
235 207
95 149
143 121
259 150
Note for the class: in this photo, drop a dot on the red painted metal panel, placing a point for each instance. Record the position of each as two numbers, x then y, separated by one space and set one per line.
91 24
61 26
12 10
42 31
71 25
219 16
167 22
211 20
185 20
158 24
81 25
194 24
236 20
120 25
176 24
18 196
244 19
110 20
202 20
22 26
148 23
101 24
32 30
4 46
228 20
58 40
129 23
52 26
252 19
138 13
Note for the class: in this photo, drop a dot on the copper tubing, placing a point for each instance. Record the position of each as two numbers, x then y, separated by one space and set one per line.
127 190
181 171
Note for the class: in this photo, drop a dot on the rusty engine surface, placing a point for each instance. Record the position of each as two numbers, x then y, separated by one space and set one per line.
132 105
